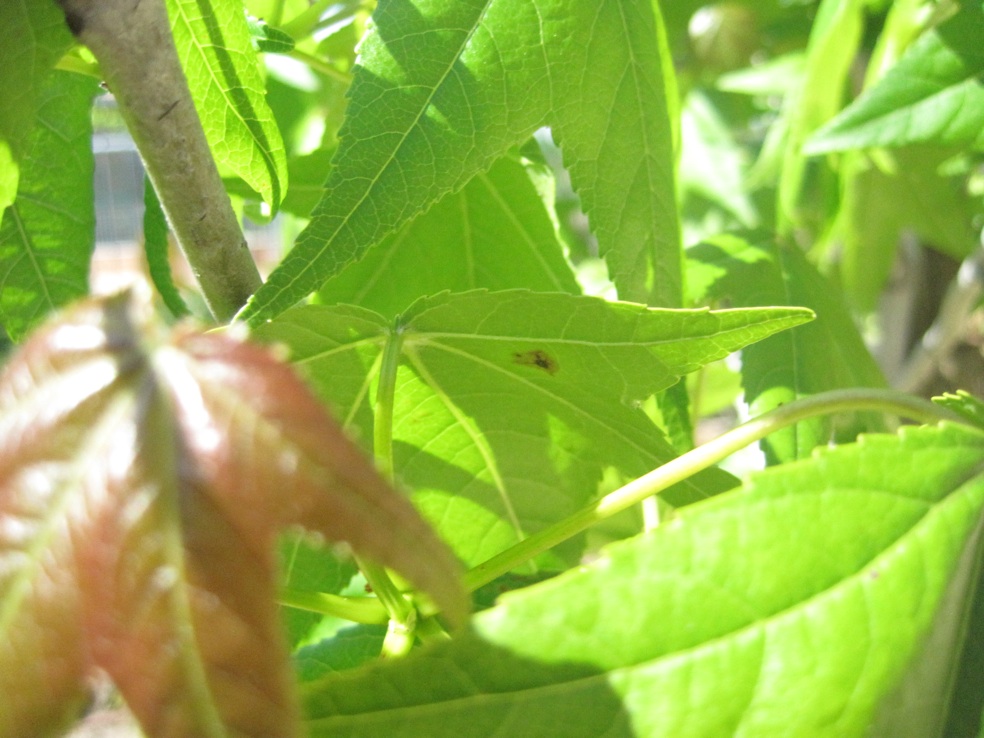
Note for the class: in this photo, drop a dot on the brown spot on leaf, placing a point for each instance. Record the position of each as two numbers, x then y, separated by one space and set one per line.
537 358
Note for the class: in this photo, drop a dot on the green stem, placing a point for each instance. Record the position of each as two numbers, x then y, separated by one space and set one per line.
390 597
685 466
402 614
385 399
357 609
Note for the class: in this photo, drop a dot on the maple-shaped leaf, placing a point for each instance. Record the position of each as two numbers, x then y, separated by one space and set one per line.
144 476
443 88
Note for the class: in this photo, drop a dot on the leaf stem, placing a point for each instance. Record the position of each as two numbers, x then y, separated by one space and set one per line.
357 609
385 403
402 614
685 466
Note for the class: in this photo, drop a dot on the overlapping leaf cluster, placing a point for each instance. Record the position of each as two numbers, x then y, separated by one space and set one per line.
144 474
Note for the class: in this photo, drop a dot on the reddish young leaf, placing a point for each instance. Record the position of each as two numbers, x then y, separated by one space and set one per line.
144 476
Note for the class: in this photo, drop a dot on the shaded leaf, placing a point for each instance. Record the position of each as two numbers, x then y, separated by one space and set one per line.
495 233
48 234
834 39
144 476
349 648
214 45
509 405
881 201
421 124
860 591
932 95
35 36
267 38
711 163
750 269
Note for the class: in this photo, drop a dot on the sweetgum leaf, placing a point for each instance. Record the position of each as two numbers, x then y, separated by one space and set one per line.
507 406
495 233
144 476
827 597
445 87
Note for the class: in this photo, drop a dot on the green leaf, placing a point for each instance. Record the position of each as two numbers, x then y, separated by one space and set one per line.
267 38
900 189
932 95
750 269
348 648
144 478
309 568
157 250
824 598
508 406
444 88
495 233
35 36
48 234
214 46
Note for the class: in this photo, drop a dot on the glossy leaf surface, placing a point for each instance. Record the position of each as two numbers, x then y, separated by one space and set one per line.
47 235
932 95
827 597
144 476
218 58
509 405
444 88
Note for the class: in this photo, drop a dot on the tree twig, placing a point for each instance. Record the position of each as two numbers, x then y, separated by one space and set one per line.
133 43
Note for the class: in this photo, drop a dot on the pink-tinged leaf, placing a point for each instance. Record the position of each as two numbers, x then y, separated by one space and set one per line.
144 476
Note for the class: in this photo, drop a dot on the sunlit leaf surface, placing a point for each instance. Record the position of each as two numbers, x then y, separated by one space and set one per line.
824 598
932 95
47 235
509 405
217 55
444 88
35 35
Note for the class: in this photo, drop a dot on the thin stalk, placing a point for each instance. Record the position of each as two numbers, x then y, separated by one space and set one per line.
133 44
403 616
357 609
685 466
382 445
